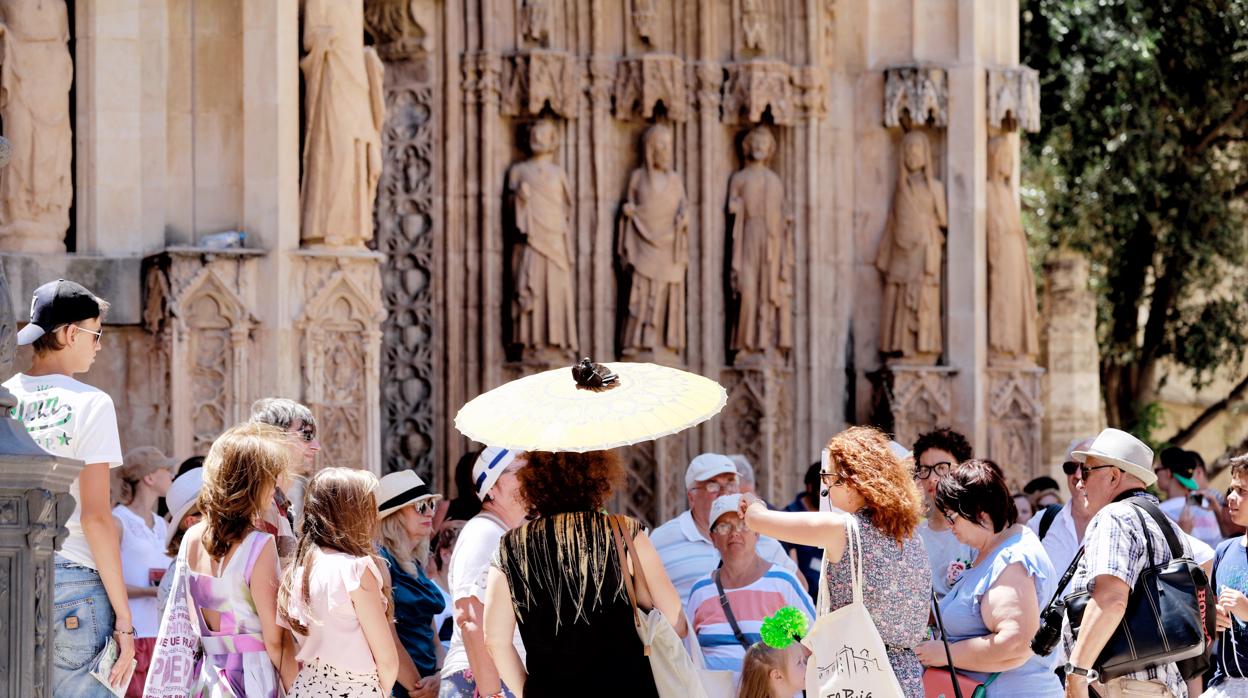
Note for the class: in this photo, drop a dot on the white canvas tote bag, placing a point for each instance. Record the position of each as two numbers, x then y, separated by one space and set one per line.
848 659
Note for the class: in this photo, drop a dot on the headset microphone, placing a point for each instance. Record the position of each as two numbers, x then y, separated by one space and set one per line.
823 492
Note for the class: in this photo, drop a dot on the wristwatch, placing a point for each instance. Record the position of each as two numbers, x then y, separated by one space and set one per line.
1090 674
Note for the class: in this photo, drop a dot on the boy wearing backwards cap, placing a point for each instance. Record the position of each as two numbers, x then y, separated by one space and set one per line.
72 419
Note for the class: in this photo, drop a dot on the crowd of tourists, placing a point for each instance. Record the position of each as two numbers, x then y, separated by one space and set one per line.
252 572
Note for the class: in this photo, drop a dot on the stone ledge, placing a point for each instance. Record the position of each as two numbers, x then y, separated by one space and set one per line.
119 280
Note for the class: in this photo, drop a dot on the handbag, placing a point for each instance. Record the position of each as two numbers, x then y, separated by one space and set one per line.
849 658
175 657
1163 622
946 682
675 676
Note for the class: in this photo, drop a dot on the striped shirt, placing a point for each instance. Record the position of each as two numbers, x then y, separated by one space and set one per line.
688 555
750 605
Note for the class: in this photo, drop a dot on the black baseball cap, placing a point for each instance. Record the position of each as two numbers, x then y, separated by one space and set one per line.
57 303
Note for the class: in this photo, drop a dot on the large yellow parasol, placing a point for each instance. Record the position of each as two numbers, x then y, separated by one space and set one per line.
590 407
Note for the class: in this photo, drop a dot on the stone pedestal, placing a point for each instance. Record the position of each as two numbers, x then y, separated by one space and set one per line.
1070 355
1015 412
757 423
910 400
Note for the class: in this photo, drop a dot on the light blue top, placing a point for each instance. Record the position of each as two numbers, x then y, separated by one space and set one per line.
960 610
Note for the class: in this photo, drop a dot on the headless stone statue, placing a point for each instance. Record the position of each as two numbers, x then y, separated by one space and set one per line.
910 258
1012 335
36 72
654 252
762 253
542 309
344 112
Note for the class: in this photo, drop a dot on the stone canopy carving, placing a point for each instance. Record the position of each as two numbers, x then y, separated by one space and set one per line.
916 95
790 93
654 252
910 258
645 19
36 72
543 311
400 28
1014 99
762 266
641 83
1012 324
344 112
533 79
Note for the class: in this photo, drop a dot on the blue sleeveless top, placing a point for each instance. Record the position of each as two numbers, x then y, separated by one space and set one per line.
417 600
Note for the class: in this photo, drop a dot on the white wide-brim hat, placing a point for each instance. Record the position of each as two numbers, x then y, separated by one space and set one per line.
183 494
400 489
1122 450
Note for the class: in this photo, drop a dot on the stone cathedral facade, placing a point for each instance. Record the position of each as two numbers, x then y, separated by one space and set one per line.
437 197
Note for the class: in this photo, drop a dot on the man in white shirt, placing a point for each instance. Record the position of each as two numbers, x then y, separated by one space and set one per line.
468 669
72 419
684 543
1064 534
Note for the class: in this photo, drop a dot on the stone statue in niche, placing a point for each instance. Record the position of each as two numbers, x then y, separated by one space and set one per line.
762 267
754 23
36 72
910 258
344 110
543 314
653 250
645 19
1012 334
536 20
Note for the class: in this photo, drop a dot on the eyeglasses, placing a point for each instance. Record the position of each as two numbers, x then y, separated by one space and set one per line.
922 472
426 506
950 515
98 335
1082 470
837 479
724 528
307 434
715 486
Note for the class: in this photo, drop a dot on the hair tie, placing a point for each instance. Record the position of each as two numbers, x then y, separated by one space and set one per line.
780 629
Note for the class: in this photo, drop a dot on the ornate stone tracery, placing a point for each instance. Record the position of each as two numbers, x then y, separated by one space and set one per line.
916 95
1015 411
537 78
1014 98
643 82
791 94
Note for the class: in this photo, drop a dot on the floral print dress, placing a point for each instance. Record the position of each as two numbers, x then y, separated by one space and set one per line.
897 588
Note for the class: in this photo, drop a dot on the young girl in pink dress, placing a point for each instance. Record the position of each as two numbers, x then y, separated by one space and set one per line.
333 596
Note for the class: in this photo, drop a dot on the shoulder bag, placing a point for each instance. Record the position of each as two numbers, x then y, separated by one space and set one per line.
1163 622
675 676
946 682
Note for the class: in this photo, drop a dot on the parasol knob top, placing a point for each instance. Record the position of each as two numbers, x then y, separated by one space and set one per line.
592 376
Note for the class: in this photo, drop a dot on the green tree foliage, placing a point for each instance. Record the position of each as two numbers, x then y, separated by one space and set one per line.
1141 164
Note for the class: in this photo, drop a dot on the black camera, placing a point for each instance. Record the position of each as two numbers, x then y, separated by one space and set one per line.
1050 631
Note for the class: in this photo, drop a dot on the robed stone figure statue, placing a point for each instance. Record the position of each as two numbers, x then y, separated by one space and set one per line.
653 251
1012 334
910 259
344 108
543 313
762 264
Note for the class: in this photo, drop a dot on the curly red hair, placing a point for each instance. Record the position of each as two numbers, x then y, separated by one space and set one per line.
557 483
865 461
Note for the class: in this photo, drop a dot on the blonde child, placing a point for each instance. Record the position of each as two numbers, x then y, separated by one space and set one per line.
776 667
333 595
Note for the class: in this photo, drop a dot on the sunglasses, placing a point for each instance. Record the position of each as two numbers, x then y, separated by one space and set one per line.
98 335
1081 470
1069 467
922 472
426 506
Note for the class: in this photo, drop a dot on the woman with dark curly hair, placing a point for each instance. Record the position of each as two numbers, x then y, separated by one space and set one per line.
560 579
862 476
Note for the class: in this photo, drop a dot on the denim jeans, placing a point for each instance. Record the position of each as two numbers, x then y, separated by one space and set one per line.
82 621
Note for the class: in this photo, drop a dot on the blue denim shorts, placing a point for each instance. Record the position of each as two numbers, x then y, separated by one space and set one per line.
460 684
82 621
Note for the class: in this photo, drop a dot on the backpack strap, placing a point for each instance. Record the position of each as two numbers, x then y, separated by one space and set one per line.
1050 515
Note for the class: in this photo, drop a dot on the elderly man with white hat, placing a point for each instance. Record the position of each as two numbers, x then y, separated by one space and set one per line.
468 669
727 607
684 543
1113 472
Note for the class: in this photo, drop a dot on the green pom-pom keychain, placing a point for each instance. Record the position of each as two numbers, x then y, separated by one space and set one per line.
783 627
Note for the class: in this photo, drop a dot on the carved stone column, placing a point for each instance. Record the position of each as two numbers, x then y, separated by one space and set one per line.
34 505
408 235
1070 356
758 423
1015 411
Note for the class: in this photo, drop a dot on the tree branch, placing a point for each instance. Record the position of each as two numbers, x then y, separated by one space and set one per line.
1186 433
1206 138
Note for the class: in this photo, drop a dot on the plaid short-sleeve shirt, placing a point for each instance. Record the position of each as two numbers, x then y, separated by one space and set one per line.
1114 545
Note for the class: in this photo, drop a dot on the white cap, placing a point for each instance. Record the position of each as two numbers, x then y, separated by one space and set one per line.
182 495
1122 450
900 451
706 466
489 467
729 503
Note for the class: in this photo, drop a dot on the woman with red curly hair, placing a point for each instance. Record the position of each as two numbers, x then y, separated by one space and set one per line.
560 579
863 478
